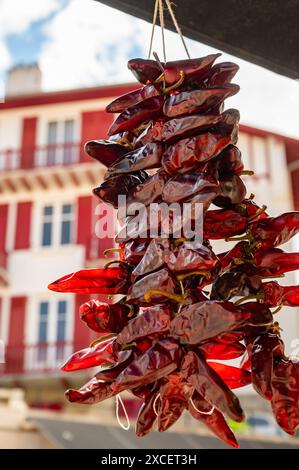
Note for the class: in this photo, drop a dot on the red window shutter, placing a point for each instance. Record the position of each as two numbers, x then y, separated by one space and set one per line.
3 226
94 126
22 235
295 184
28 142
82 334
84 223
1 332
15 347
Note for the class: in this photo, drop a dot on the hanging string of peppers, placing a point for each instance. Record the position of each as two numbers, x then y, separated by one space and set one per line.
161 340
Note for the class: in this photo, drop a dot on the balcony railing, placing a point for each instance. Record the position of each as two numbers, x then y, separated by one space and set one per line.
44 155
41 357
57 154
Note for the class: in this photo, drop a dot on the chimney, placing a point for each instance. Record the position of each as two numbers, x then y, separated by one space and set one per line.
24 80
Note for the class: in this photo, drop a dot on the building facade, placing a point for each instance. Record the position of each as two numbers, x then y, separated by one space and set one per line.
47 219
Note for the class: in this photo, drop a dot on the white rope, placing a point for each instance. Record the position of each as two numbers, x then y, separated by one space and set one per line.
154 404
178 29
118 401
183 292
161 15
211 411
153 27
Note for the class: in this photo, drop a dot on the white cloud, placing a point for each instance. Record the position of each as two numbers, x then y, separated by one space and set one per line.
17 15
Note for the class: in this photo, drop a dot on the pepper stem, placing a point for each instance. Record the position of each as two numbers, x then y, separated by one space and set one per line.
277 310
275 328
112 250
238 239
246 173
178 241
177 84
258 296
181 277
176 297
160 79
102 339
258 213
121 263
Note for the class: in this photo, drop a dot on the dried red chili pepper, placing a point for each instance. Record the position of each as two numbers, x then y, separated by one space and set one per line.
226 164
159 361
94 281
134 250
265 349
133 97
209 384
203 411
231 191
244 279
275 261
204 320
93 392
145 70
178 128
238 254
149 191
214 349
174 396
146 417
102 317
222 73
188 154
110 189
193 69
145 110
153 258
223 223
105 151
274 231
234 377
144 158
197 101
159 283
109 374
183 187
151 320
273 294
190 256
285 388
98 355
250 209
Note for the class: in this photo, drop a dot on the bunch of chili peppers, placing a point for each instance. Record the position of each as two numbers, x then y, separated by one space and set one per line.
183 307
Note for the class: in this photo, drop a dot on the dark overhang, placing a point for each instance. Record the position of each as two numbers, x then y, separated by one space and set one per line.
265 32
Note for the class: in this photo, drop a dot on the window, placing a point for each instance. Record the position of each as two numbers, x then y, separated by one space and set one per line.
57 225
43 322
47 227
52 141
61 320
68 148
42 331
60 147
53 334
66 224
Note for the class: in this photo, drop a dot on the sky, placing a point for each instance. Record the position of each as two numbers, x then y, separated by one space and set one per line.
80 43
